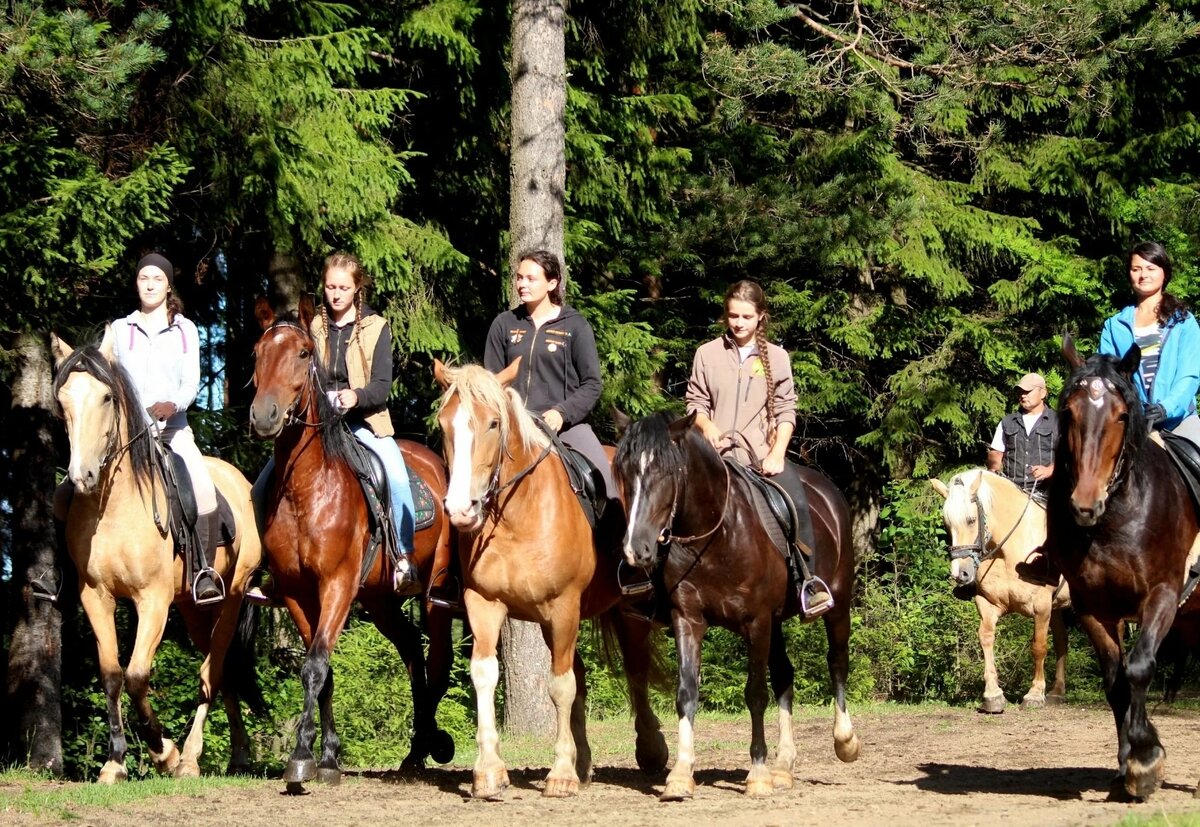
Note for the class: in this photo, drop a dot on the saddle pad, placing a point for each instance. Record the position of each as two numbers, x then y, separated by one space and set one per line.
767 515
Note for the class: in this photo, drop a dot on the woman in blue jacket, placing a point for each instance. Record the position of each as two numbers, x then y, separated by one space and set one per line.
1166 331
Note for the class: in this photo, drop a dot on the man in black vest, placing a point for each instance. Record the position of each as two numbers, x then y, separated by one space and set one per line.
1023 446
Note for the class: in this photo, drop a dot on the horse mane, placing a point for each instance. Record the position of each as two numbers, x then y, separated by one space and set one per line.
1105 367
476 385
650 436
88 359
958 508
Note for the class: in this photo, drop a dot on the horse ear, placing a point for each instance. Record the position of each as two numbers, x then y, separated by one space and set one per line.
1069 353
108 345
622 420
60 349
1130 362
441 373
679 428
974 489
940 487
263 312
509 374
306 311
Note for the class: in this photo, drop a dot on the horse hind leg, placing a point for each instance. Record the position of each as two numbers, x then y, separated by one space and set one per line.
837 632
783 677
1035 698
583 750
639 657
759 781
1058 627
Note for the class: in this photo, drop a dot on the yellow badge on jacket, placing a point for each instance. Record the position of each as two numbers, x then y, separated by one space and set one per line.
757 370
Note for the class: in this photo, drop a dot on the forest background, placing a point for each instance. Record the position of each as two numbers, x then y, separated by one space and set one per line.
930 192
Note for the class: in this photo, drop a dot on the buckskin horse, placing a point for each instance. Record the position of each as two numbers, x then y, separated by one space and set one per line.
721 568
1120 528
528 552
115 541
316 538
993 526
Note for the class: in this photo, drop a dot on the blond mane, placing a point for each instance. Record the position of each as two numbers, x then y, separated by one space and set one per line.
958 508
478 386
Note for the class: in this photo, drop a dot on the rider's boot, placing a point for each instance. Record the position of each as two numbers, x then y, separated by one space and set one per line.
1039 568
207 587
815 598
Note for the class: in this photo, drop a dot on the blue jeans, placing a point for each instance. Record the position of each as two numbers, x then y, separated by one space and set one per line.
403 509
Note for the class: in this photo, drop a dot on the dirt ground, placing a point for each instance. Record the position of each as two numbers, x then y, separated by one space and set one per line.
919 766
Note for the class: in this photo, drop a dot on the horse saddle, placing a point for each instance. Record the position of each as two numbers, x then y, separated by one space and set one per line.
584 477
776 510
1186 456
181 500
368 467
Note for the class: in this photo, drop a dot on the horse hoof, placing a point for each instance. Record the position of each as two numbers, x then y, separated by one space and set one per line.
652 756
847 751
294 788
300 770
112 773
167 761
489 786
678 791
760 788
1033 703
1142 779
187 769
561 788
441 749
782 780
329 775
993 705
1055 700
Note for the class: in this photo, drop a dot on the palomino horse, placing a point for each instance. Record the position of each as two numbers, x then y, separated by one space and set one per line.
528 553
1120 527
119 551
316 537
721 568
993 526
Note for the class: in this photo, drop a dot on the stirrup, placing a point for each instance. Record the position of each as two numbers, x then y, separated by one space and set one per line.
814 586
444 596
636 585
39 589
217 582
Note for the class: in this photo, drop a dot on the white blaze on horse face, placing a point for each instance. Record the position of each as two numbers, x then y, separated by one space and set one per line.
458 493
634 504
1096 392
85 429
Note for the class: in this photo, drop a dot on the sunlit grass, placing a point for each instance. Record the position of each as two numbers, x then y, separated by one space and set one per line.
24 791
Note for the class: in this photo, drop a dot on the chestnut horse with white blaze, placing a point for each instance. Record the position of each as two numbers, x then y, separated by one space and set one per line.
993 526
316 536
114 539
528 552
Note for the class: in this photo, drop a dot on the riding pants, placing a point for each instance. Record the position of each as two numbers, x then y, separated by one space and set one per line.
403 509
183 443
583 439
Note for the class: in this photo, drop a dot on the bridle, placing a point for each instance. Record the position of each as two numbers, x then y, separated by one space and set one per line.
1097 388
665 536
976 550
491 495
311 387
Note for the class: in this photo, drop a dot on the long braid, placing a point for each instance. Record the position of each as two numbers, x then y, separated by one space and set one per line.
355 335
328 333
764 359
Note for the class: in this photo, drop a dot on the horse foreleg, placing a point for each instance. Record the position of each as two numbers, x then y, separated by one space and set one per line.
387 612
239 741
440 660
561 635
782 684
152 606
1147 758
1035 698
638 657
1106 640
1058 627
583 750
837 634
99 607
490 776
993 695
688 635
758 640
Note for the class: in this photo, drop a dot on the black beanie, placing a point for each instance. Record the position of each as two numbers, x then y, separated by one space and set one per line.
155 260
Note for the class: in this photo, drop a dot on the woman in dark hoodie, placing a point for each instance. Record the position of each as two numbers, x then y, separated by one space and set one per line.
559 376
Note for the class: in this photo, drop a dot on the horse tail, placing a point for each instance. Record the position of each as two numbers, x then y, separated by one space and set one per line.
610 632
241 667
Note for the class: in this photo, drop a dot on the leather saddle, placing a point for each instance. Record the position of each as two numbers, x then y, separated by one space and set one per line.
181 500
1186 456
584 477
775 508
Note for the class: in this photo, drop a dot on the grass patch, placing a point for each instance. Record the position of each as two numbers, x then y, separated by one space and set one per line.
29 792
1161 820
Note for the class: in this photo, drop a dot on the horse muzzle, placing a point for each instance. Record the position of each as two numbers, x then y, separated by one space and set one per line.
467 519
638 552
267 419
85 480
1088 516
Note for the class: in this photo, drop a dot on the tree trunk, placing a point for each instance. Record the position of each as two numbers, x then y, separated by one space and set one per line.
35 655
538 181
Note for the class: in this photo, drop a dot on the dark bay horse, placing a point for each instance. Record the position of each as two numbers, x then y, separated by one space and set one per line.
316 536
114 539
722 569
1120 528
528 552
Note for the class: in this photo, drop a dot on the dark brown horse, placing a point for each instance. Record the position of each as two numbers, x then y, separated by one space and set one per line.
722 569
1120 527
316 535
528 552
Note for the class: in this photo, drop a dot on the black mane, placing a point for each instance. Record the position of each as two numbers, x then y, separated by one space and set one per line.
89 360
651 435
1105 367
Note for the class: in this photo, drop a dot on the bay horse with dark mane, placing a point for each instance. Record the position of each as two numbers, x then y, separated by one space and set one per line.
120 540
528 552
721 568
1120 527
316 537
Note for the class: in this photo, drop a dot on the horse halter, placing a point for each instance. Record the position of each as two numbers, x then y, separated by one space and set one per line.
665 536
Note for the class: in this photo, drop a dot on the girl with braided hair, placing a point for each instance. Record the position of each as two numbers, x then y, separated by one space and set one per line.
742 393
